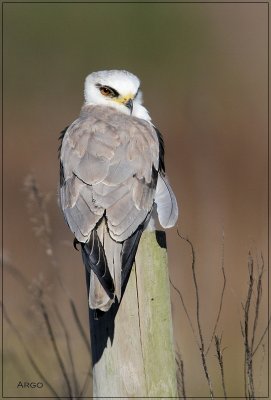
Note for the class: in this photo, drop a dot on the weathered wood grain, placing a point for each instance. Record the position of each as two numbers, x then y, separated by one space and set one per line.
133 350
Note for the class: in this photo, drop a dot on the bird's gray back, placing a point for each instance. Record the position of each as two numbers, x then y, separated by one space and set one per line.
110 163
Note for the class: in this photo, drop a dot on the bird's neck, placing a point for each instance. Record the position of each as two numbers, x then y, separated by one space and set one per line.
141 112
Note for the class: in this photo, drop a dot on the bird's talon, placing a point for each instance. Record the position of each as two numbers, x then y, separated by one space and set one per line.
75 243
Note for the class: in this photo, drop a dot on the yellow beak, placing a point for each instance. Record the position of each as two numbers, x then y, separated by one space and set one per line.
127 101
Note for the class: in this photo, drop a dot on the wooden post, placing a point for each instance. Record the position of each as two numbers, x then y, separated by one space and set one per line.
132 347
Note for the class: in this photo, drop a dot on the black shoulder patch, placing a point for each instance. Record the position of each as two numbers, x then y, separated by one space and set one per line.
161 168
61 170
61 136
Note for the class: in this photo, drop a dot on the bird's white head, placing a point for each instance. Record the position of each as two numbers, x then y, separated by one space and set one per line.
118 89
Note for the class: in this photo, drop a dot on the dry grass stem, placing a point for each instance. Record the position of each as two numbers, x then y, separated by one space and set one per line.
261 367
38 201
16 273
69 349
219 354
186 311
221 296
37 204
79 325
29 356
37 289
86 382
250 324
201 338
180 376
54 345
261 338
37 207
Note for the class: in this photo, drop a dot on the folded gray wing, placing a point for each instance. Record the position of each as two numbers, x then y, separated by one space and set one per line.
109 166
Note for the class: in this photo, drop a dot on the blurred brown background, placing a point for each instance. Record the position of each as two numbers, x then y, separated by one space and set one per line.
203 69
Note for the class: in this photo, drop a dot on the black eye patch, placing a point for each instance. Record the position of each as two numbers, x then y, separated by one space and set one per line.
138 90
111 91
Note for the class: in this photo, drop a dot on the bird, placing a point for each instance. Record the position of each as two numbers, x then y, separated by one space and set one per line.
113 184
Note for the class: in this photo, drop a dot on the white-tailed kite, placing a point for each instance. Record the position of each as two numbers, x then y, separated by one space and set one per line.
112 181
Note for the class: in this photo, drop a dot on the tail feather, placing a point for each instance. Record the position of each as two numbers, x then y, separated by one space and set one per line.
94 259
109 264
129 250
101 256
98 298
112 250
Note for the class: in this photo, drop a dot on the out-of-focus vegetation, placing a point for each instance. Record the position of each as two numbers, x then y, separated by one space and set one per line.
203 69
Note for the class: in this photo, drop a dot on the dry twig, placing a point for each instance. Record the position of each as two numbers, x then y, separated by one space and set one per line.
186 311
180 375
201 338
28 354
250 323
54 344
69 349
221 296
219 354
37 205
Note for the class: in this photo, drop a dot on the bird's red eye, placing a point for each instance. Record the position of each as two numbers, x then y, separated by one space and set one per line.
105 91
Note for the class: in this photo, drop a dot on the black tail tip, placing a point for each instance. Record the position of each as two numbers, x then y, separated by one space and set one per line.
97 314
